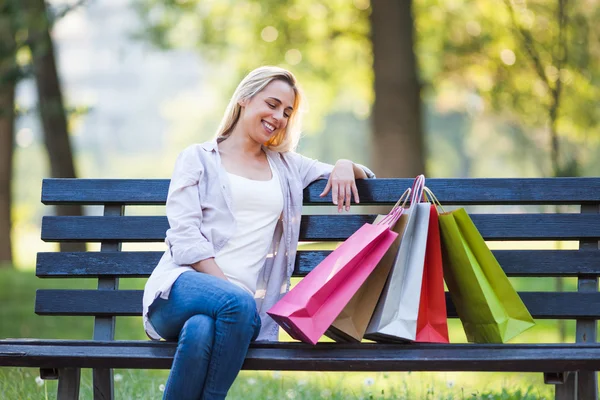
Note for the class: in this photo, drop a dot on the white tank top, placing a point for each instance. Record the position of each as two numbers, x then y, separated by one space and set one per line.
257 206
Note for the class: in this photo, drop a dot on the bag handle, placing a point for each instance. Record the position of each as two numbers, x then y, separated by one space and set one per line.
428 193
396 211
417 189
415 193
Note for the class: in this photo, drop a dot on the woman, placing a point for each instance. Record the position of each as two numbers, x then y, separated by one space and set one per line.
234 208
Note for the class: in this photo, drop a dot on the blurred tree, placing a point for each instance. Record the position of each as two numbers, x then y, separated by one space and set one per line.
50 102
540 75
333 47
397 134
9 72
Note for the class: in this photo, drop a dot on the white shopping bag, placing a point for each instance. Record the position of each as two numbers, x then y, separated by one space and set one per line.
396 314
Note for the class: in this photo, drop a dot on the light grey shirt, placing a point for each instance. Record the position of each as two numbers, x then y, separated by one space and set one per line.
201 221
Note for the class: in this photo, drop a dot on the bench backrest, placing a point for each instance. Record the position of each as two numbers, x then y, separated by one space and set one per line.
114 228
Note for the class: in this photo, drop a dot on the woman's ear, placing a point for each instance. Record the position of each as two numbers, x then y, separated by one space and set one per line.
243 102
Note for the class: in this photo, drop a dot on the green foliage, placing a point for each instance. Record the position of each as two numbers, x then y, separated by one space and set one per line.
325 43
529 70
16 52
522 62
10 42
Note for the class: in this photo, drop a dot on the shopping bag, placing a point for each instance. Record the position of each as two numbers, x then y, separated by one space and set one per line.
351 324
307 310
488 306
395 317
432 322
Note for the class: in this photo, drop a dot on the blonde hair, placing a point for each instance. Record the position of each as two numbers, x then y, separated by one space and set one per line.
253 83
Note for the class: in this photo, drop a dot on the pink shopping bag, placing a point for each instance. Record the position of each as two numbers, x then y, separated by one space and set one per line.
314 303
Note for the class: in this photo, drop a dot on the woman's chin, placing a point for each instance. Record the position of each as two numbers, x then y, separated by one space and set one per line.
267 138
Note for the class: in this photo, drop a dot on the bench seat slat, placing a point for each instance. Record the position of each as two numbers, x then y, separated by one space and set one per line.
323 356
325 227
543 305
449 191
139 264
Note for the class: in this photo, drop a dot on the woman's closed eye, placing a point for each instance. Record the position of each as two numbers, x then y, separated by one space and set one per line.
273 106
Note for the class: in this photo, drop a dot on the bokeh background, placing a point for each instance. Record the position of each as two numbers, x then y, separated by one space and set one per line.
454 88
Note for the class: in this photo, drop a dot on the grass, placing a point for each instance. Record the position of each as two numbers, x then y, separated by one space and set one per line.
17 320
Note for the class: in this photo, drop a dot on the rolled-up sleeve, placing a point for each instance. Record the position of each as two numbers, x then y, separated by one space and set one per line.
185 240
311 169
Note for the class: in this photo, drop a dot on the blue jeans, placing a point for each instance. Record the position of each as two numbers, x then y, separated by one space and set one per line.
214 322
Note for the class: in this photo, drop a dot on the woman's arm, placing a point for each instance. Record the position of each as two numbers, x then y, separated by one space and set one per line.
187 244
341 177
310 169
359 172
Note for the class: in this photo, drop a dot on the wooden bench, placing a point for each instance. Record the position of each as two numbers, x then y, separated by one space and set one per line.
570 366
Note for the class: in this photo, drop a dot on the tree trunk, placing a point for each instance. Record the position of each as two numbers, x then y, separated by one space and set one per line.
7 119
397 137
52 112
7 95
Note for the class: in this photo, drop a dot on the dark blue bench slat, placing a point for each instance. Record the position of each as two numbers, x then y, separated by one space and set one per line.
544 305
517 263
326 227
105 191
301 357
133 264
140 264
449 191
491 226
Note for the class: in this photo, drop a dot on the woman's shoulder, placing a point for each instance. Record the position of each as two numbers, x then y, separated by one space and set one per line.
198 152
199 148
195 158
288 157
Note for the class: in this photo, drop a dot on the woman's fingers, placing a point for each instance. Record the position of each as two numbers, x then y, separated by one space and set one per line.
355 191
327 188
334 192
341 194
342 191
348 196
341 197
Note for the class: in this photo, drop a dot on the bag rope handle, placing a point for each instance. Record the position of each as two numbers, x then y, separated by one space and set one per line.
396 211
428 193
417 189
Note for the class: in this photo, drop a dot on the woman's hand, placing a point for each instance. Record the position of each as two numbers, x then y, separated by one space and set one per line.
209 266
342 184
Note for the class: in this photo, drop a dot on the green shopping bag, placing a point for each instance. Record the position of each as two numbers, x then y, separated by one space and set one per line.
488 306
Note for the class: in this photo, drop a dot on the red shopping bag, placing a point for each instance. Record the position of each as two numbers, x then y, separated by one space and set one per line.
313 304
432 322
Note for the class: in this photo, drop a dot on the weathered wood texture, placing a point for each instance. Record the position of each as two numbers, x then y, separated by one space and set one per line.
322 357
386 191
139 264
325 227
552 305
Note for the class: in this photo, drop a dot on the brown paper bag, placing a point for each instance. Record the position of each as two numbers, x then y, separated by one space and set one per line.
351 324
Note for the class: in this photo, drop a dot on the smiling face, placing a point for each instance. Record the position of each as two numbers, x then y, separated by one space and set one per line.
266 114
